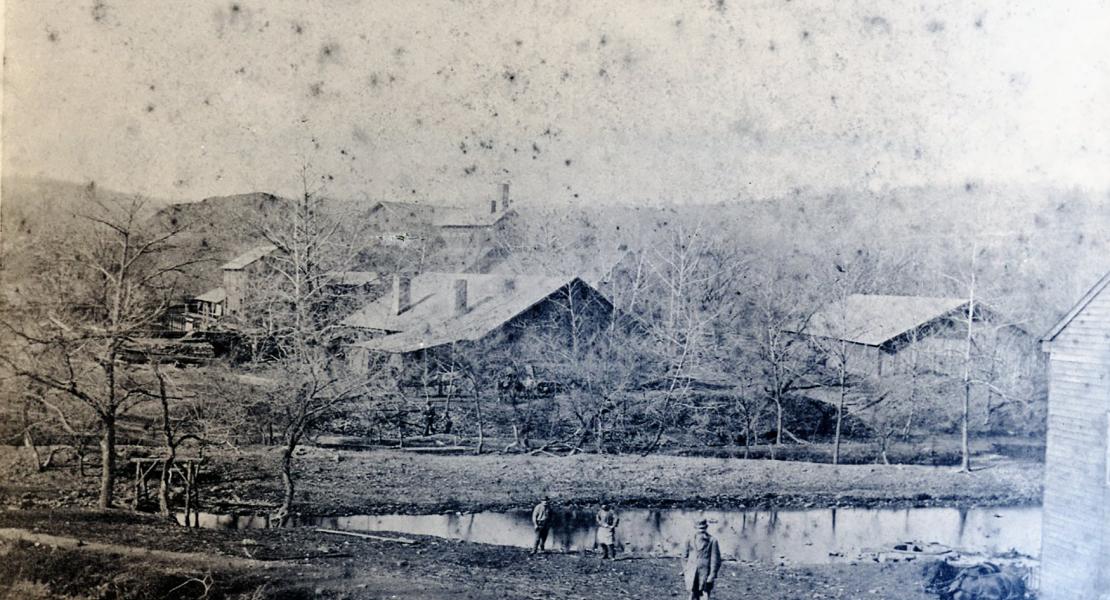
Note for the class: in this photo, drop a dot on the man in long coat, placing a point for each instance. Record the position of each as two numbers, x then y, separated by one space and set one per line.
703 561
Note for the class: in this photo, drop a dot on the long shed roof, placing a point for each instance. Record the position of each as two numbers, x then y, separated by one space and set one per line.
248 257
430 320
873 320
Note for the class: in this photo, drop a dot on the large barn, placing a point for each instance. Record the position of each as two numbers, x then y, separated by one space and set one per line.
1075 546
479 315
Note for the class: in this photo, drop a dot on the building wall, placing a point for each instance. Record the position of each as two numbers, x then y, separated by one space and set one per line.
1075 547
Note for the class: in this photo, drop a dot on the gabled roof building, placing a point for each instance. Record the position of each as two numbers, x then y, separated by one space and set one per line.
1075 532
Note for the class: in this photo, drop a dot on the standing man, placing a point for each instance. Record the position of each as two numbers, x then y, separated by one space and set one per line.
607 531
541 521
703 560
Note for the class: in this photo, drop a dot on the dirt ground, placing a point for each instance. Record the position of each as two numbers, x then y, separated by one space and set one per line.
307 564
336 482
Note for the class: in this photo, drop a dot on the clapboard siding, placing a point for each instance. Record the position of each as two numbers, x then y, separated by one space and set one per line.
1075 546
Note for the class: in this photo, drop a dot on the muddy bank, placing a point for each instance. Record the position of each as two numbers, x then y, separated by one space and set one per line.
341 567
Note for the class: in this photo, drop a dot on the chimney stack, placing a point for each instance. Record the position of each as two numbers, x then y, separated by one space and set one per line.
402 293
493 207
460 297
505 196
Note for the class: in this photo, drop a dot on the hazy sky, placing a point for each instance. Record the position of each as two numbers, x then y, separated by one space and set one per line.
627 101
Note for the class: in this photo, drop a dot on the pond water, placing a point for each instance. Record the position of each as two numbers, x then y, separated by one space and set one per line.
812 536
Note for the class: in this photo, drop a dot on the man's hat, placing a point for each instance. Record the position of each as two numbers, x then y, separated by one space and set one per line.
702 525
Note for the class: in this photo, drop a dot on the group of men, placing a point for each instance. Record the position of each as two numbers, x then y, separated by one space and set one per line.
701 553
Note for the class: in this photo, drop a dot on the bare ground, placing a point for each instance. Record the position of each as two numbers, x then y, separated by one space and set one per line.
332 482
314 565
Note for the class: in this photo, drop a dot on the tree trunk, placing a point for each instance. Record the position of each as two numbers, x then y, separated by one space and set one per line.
107 463
164 484
287 482
965 443
836 436
778 421
29 443
840 407
481 432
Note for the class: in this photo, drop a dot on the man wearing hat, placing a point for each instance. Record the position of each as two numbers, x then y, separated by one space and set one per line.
541 521
703 560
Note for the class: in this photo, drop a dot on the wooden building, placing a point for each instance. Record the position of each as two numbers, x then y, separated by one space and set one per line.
439 319
1075 538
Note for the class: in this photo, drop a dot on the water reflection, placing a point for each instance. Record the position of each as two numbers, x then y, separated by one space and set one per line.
799 536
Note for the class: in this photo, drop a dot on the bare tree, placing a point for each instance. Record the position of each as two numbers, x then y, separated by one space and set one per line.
292 308
94 306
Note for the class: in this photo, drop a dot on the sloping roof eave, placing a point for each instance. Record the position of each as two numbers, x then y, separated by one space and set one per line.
1078 308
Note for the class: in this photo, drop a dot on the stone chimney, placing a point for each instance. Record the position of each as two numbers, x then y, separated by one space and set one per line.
505 196
493 207
402 293
460 297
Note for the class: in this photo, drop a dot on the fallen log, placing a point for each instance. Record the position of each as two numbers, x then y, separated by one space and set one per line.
367 536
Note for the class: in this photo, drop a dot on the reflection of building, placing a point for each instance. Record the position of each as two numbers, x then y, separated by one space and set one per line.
1075 549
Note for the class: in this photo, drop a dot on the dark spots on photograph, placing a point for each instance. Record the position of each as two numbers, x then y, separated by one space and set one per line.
918 153
509 76
771 46
485 144
359 134
316 89
979 22
463 147
374 80
207 102
418 122
241 70
603 41
535 148
565 75
567 162
602 73
149 108
833 99
236 8
298 28
720 5
329 52
399 52
150 87
52 35
518 43
99 11
877 24
678 23
805 35
969 186
472 169
935 26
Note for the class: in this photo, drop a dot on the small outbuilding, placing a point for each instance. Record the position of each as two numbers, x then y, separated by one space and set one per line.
1075 543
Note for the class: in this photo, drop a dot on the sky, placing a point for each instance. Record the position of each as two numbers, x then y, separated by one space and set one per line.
576 100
